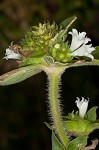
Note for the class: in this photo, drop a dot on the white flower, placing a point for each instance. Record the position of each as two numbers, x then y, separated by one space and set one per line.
11 54
78 44
82 106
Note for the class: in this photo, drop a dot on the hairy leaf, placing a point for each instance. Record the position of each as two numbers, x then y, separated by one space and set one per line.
56 145
78 143
79 63
91 114
18 75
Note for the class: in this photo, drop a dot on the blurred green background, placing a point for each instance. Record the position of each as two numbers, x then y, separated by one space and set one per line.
24 106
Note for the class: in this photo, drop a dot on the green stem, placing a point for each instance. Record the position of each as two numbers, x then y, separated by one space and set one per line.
54 80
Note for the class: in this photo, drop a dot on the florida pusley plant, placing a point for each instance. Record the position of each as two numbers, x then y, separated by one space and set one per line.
46 48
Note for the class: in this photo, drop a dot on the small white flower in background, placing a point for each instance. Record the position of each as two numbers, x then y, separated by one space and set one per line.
78 44
11 55
82 106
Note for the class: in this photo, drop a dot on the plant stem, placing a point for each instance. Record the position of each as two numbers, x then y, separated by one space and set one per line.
54 80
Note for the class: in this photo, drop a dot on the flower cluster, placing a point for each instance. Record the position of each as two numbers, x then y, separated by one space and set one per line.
38 38
45 41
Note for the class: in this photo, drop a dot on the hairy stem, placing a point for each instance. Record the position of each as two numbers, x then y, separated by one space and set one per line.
54 80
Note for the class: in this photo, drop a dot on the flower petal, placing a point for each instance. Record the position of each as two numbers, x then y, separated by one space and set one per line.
84 50
11 54
78 39
82 106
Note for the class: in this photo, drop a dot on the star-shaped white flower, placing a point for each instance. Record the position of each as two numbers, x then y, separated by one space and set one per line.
78 44
82 106
11 55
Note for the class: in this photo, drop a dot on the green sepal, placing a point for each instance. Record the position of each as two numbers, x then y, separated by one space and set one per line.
78 143
32 61
95 53
63 28
18 75
79 127
67 23
91 114
61 34
36 54
56 145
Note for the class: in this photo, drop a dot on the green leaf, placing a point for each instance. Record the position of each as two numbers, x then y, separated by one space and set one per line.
91 114
95 53
56 145
77 143
67 23
18 75
80 63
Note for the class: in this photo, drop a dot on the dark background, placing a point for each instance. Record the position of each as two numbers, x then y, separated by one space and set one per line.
24 106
